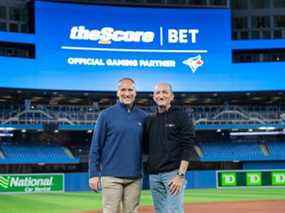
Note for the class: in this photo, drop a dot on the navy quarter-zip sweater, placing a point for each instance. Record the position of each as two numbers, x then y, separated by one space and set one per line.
116 147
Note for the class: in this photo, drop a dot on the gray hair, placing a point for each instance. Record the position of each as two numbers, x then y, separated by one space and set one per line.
167 84
126 79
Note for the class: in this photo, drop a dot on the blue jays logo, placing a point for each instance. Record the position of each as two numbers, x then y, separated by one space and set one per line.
194 62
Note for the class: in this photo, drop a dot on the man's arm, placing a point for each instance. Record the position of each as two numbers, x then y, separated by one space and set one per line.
145 143
186 139
177 183
183 167
98 140
145 140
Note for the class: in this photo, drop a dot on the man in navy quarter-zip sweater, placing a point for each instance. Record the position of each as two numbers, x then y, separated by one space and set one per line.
115 152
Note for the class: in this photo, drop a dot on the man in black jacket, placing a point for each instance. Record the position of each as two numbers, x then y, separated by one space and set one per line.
168 143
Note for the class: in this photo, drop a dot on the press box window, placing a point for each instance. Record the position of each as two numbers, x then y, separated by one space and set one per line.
3 26
259 22
240 22
260 55
259 4
20 50
3 14
13 27
218 2
279 21
279 4
239 4
196 2
176 1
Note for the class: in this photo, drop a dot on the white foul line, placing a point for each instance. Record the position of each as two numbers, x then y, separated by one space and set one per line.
131 50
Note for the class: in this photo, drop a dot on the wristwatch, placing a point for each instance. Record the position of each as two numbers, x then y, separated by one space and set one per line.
180 174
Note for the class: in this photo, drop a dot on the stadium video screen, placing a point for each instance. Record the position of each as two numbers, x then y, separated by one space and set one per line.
90 47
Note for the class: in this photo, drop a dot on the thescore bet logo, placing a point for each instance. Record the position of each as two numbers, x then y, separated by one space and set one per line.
182 35
107 35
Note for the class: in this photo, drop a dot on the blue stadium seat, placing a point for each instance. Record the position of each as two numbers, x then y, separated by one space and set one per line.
32 154
246 151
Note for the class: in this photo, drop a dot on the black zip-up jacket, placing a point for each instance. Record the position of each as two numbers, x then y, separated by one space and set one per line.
168 139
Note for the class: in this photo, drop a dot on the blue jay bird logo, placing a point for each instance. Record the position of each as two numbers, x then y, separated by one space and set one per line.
194 62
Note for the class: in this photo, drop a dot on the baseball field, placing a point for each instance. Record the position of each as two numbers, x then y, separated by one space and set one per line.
198 200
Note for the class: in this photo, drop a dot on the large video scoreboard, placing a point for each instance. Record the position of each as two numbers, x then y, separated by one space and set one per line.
95 49
90 47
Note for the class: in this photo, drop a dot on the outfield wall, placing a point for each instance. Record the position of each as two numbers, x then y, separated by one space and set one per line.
195 179
74 182
264 165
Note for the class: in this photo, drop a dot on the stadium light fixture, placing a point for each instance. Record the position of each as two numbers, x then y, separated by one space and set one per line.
257 133
266 128
7 128
6 134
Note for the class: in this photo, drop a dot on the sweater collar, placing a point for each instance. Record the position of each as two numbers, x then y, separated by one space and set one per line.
123 106
171 108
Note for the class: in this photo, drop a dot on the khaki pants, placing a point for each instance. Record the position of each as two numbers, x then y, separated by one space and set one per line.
119 192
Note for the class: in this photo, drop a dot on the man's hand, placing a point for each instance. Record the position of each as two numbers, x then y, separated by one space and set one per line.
94 183
176 185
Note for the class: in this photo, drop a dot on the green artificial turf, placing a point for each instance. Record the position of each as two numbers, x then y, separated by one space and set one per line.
83 201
